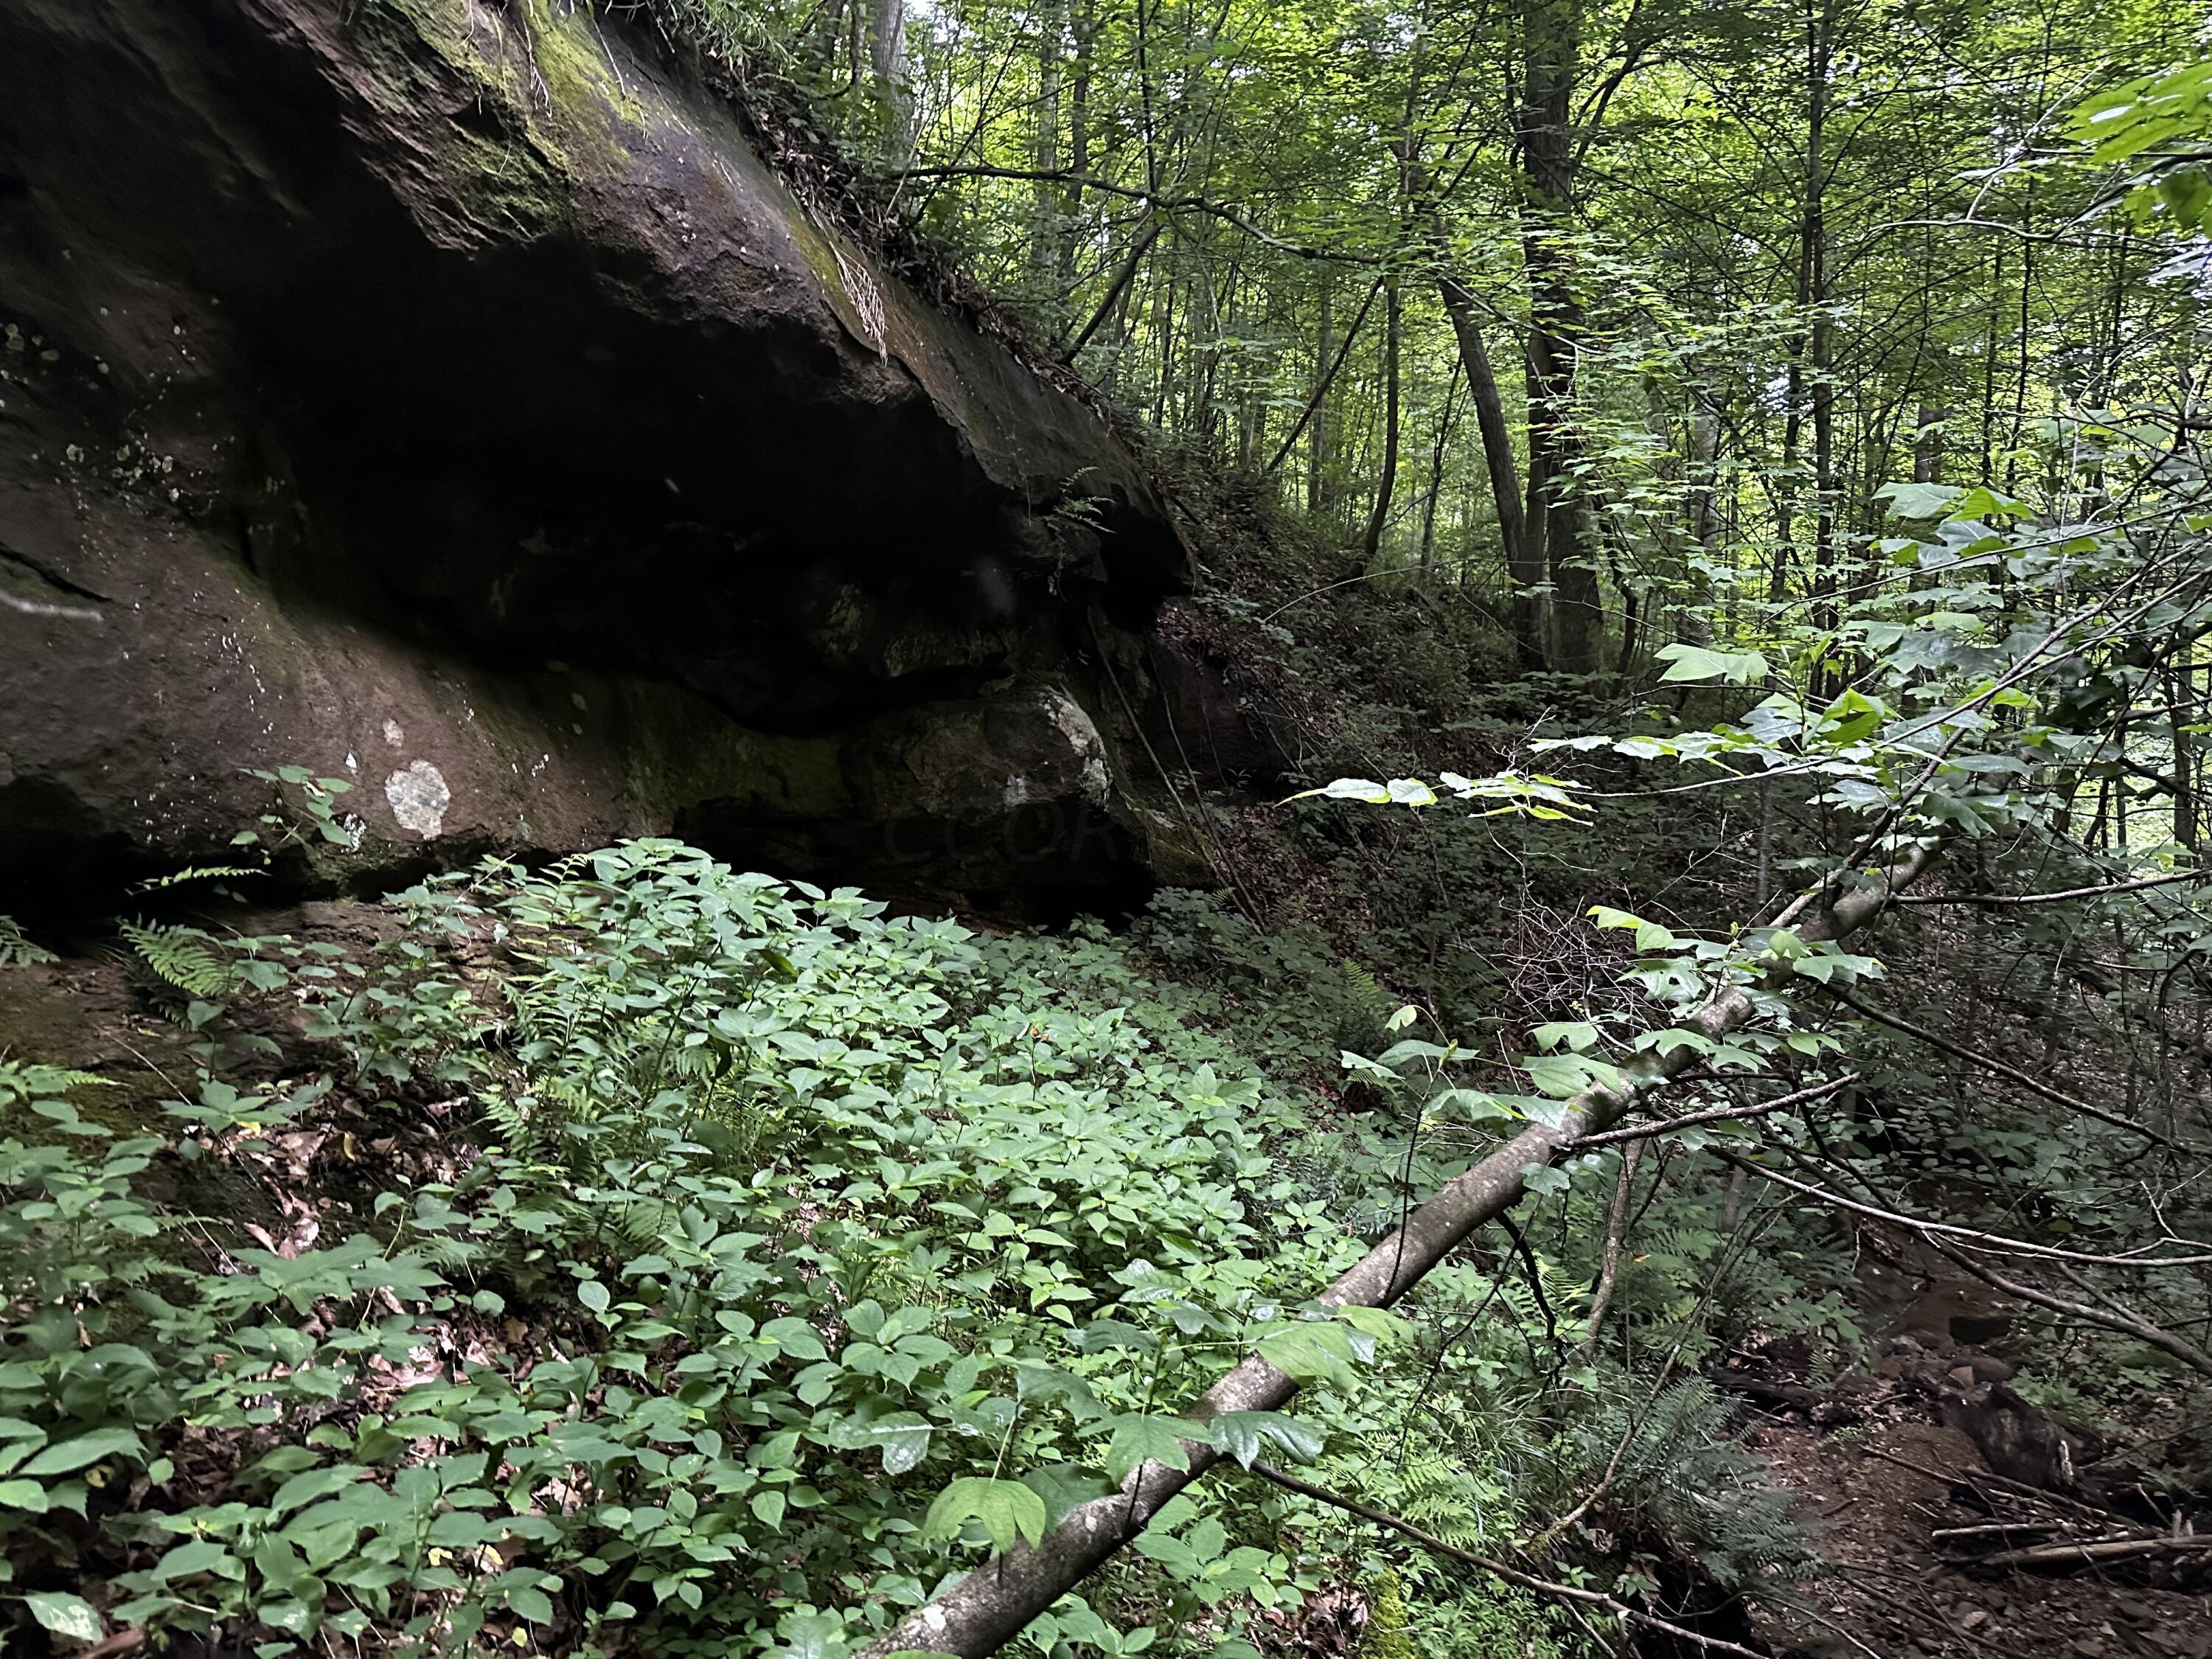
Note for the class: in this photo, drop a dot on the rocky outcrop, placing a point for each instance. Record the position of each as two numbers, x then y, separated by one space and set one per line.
443 396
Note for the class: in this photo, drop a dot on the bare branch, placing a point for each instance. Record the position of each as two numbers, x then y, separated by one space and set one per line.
1716 1114
2033 1086
1430 1541
2058 898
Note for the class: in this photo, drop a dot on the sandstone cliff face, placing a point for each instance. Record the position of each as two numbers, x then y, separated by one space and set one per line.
442 395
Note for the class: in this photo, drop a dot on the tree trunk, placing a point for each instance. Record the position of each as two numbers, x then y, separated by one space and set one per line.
1393 318
1703 452
887 64
1559 518
1820 36
1522 565
1437 475
1044 237
1318 423
1078 151
991 1606
1928 443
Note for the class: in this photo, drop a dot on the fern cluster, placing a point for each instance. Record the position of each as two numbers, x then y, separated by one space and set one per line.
16 950
188 959
1679 1473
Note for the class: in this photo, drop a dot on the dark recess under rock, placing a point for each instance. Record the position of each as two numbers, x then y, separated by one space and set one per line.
442 395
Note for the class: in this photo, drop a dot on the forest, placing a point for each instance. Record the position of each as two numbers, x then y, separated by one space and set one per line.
834 829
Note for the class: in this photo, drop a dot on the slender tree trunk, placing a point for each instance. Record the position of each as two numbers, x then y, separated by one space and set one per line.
1044 237
1078 150
1524 564
1559 518
2184 743
1317 423
1632 609
1990 367
887 64
1324 378
1392 320
1928 443
1117 295
1819 37
1616 1231
1785 490
1437 475
1702 451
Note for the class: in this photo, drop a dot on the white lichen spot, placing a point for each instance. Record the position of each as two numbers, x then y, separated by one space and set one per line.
393 736
419 798
1077 727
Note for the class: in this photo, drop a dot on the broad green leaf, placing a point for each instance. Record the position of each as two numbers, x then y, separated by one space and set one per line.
1064 1487
1690 663
1138 1438
1314 1352
811 1635
201 1555
1576 1036
64 1455
1348 789
65 1614
1918 500
904 1436
1241 1434
1007 1508
796 1338
311 1484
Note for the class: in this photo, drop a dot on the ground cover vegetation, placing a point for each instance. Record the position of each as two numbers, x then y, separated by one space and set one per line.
1711 503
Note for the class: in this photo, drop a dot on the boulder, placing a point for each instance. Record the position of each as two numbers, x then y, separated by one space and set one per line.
444 396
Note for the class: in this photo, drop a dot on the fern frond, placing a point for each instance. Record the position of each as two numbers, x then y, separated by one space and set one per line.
17 952
186 957
18 1081
197 872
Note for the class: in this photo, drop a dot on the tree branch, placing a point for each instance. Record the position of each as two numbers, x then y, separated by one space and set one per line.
2034 1086
1715 1115
1430 1541
1153 198
2054 898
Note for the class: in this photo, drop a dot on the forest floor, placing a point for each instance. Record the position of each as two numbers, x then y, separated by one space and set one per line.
1875 1496
1873 1485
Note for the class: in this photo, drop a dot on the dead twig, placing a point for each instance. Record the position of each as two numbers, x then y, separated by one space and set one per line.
1572 1593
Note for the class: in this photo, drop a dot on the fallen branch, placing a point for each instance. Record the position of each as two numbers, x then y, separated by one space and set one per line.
1975 1478
990 1606
2127 1323
2091 1554
1715 1115
1946 1534
2054 898
1496 1569
1930 1230
2034 1086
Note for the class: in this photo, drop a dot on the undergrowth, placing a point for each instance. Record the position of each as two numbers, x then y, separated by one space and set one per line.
743 1262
